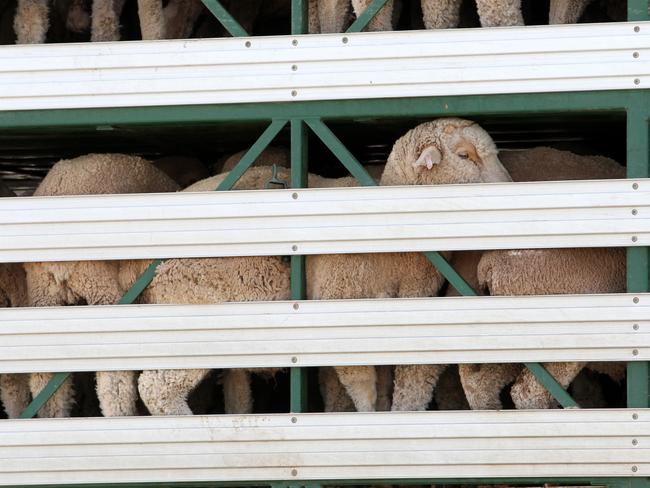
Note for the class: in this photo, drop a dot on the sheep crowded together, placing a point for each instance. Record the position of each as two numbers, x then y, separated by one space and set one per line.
442 151
37 21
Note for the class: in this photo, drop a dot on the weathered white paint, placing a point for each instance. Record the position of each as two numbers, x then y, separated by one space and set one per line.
392 64
322 333
569 443
321 221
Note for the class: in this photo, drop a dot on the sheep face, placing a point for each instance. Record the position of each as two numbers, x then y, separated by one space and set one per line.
444 151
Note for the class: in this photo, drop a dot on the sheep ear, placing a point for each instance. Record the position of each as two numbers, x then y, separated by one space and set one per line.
430 156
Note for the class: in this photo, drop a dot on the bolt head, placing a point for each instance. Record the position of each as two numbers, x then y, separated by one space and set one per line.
635 326
635 352
634 469
294 472
635 416
294 360
345 40
294 68
294 248
296 306
635 442
635 186
248 44
635 211
635 299
294 196
637 28
634 239
294 93
635 54
637 81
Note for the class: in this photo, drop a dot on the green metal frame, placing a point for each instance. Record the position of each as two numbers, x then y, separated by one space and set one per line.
302 116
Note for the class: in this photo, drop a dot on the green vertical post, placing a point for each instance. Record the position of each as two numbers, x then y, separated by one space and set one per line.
638 258
637 10
299 148
299 17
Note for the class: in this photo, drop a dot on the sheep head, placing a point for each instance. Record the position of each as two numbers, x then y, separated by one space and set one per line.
444 151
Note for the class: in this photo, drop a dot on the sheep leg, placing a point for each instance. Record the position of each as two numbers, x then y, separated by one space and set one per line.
314 23
527 393
566 11
165 392
333 15
106 20
361 384
32 21
384 388
414 385
500 13
482 383
237 394
78 18
383 21
14 393
335 398
60 404
152 19
441 14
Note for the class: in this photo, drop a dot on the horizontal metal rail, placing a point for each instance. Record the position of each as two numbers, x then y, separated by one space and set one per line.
326 446
321 221
327 67
327 333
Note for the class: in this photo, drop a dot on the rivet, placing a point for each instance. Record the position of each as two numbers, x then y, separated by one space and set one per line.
634 469
634 239
635 299
294 359
635 352
637 81
294 67
637 28
635 416
345 40
635 326
294 196
294 472
635 211
635 186
634 442
294 93
294 42
248 44
294 248
635 54
296 306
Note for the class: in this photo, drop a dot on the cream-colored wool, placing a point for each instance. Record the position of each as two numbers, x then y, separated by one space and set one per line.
385 19
183 170
90 282
443 151
270 156
499 13
566 11
174 21
441 14
542 272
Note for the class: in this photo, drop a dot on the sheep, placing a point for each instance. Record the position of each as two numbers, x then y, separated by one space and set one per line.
556 271
14 388
271 155
91 282
442 151
183 170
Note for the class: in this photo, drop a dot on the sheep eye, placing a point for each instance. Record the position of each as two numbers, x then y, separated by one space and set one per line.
463 155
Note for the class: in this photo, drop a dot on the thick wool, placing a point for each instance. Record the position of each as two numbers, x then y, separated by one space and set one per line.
183 170
203 281
270 156
542 272
14 388
89 282
105 21
566 11
439 152
32 21
333 15
441 14
385 19
499 13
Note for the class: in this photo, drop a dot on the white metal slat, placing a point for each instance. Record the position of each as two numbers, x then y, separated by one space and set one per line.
571 443
326 333
449 62
322 221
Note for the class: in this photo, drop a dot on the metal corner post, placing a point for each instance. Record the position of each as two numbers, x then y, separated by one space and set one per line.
299 165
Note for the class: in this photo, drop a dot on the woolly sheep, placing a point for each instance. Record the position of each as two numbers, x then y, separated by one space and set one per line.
555 271
183 170
442 151
91 282
14 388
271 155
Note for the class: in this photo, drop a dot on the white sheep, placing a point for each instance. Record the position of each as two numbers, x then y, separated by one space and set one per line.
540 272
443 151
90 282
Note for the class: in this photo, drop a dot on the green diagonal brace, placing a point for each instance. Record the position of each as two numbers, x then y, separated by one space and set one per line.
148 275
228 21
368 14
554 388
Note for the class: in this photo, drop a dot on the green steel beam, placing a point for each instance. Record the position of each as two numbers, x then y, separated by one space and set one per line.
252 154
368 14
299 17
554 388
341 152
637 10
450 274
466 106
638 258
46 393
299 167
233 27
